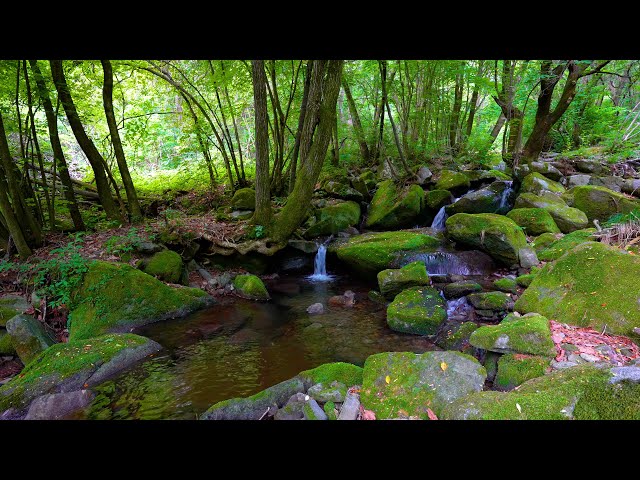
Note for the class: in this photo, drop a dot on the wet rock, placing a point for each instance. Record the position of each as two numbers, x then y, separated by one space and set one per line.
394 207
28 337
436 199
250 286
393 281
495 198
315 309
305 246
244 199
57 406
417 310
461 289
347 299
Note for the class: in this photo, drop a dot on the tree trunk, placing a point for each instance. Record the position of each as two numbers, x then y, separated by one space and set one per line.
93 155
498 126
303 111
455 115
357 124
262 214
107 98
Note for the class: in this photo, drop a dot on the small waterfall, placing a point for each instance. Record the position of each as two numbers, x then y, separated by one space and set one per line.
458 308
438 223
320 266
505 196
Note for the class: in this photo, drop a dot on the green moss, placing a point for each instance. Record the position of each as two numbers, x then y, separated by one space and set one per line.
244 199
497 235
592 285
436 199
394 208
418 310
334 218
567 219
506 285
525 280
600 203
537 183
10 306
6 345
167 266
330 410
514 369
535 221
251 286
457 338
496 301
529 335
372 252
450 180
6 313
115 297
63 360
568 242
341 189
346 373
543 241
460 289
393 281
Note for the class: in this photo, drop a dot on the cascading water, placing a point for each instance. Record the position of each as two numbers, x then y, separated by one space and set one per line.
458 308
506 193
439 222
443 263
320 266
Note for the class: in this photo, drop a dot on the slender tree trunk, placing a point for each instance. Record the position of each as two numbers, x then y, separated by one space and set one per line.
303 111
107 98
262 214
357 124
455 115
93 155
203 147
498 126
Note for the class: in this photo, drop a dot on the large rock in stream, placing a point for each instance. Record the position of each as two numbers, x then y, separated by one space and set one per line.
600 203
593 285
497 235
537 183
495 198
535 221
334 218
251 287
419 310
116 297
392 281
393 207
76 365
455 182
409 384
567 218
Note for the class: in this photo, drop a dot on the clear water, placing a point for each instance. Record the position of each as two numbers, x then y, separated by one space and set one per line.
240 347
320 266
438 223
505 196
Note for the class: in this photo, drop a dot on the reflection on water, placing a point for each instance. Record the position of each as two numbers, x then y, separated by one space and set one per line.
240 347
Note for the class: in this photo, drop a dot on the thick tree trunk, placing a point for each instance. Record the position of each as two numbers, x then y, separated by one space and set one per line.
107 98
357 124
93 155
262 214
323 92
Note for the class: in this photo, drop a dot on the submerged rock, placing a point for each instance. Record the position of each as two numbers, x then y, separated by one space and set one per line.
167 266
418 310
406 383
28 337
392 207
117 297
393 281
250 286
57 406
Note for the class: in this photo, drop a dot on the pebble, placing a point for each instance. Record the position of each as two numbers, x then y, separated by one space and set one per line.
589 358
315 309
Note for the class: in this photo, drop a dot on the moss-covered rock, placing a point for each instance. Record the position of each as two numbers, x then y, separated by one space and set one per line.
528 335
479 177
341 189
455 336
568 219
535 221
403 383
6 344
525 280
334 218
330 409
497 235
543 241
10 306
537 183
453 181
167 266
460 289
333 392
544 168
244 199
515 369
582 393
418 310
392 207
250 286
494 301
392 281
495 198
436 199
592 285
506 285
117 297
345 373
372 252
568 242
28 337
66 367
600 203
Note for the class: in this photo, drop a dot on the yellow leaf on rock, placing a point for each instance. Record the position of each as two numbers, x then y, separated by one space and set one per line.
443 366
387 379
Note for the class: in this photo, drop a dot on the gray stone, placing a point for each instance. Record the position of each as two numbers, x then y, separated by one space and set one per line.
423 175
293 410
527 257
562 365
305 246
335 392
313 411
575 358
28 336
589 358
625 373
578 180
315 309
57 406
350 408
241 214
589 166
147 248
611 182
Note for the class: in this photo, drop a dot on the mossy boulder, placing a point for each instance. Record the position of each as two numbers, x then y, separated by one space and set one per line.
244 199
332 392
515 369
525 280
455 336
568 219
67 367
28 337
495 198
535 221
330 410
505 284
568 242
6 344
372 252
600 203
418 310
392 281
584 392
436 199
479 177
334 218
392 207
10 306
538 183
528 335
494 301
338 189
409 384
497 235
117 297
544 168
592 285
456 182
342 372
543 241
167 266
250 286
460 289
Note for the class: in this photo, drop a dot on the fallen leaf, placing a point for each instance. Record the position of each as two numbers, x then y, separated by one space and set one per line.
387 379
432 416
519 407
443 366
